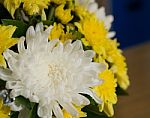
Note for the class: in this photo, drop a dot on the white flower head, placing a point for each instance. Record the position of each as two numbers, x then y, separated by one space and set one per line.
50 73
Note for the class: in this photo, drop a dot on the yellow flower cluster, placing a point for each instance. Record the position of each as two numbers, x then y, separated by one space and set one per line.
6 41
35 6
4 110
107 51
31 6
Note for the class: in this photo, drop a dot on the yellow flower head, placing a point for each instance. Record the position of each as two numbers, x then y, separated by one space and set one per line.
12 5
4 110
93 30
81 113
35 6
6 40
63 14
106 91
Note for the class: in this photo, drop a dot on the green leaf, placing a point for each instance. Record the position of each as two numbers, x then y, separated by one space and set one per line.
33 112
121 92
14 114
21 26
51 13
20 100
48 22
2 84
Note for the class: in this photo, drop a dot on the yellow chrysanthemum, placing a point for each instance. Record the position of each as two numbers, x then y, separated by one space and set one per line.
63 14
4 110
92 29
81 113
12 5
6 41
35 6
57 31
106 91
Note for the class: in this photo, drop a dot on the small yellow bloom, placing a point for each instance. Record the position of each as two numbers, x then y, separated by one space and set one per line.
106 91
81 113
6 40
63 14
57 31
4 110
12 5
35 6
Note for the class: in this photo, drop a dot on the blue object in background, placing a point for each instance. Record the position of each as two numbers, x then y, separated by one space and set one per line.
132 21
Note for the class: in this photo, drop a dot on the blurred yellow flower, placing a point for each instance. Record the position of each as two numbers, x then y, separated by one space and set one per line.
12 5
81 113
108 50
35 6
106 91
93 30
64 15
6 41
4 110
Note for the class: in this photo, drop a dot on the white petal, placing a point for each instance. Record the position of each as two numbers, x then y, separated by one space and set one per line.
89 54
13 85
77 45
5 74
53 43
80 100
69 108
39 27
93 95
111 34
21 47
45 111
58 49
57 110
30 34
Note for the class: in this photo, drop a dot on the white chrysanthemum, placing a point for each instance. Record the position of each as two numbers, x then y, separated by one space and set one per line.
51 73
92 7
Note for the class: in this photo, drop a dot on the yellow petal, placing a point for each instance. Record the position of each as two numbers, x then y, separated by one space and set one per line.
108 109
12 5
2 61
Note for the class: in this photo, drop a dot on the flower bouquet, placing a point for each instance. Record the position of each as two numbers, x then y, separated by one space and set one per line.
58 59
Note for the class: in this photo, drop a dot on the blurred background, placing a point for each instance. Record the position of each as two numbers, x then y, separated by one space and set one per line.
132 26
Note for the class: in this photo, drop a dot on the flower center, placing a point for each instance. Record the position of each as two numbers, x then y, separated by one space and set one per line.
56 72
